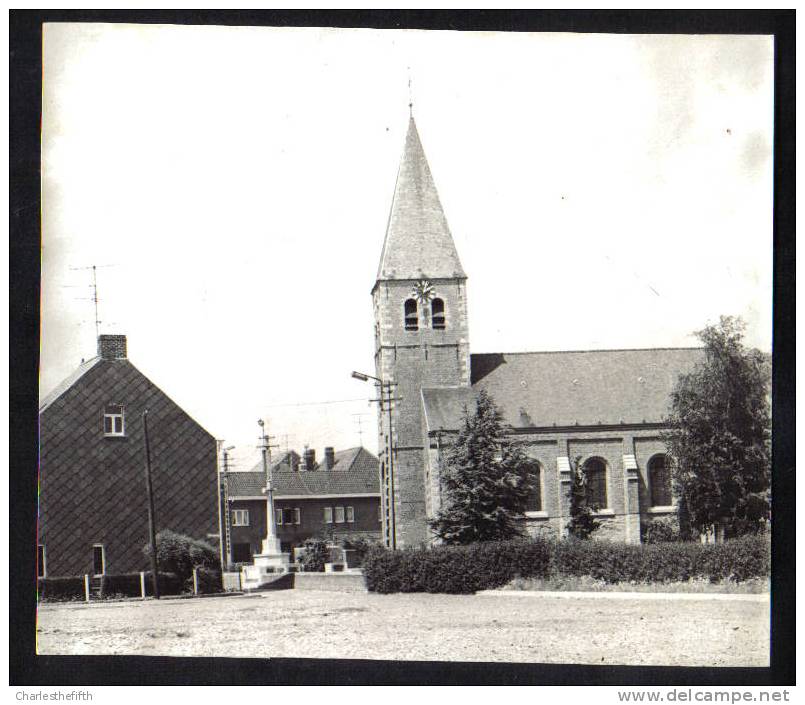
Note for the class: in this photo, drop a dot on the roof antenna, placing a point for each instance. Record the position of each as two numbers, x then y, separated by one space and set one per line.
410 99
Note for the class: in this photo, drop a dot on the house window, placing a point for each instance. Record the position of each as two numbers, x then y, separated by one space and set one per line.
113 420
411 315
41 567
240 517
339 515
534 503
380 513
328 515
278 517
595 473
98 559
350 515
659 481
297 516
437 314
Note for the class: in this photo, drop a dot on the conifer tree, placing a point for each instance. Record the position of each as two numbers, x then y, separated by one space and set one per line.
582 523
485 481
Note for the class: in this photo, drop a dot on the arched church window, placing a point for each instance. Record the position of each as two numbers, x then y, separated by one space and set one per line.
659 481
595 473
437 314
411 315
534 503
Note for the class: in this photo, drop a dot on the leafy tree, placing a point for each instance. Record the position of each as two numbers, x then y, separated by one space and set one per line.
485 481
179 554
582 523
720 434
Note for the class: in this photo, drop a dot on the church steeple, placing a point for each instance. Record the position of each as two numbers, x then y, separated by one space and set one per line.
421 338
418 242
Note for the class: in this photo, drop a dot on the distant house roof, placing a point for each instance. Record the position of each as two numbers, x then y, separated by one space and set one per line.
543 389
355 472
67 383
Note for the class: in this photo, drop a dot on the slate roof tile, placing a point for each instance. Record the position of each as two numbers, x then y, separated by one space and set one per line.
591 387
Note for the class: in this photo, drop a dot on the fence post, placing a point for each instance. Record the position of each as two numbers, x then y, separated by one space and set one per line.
142 584
195 581
86 587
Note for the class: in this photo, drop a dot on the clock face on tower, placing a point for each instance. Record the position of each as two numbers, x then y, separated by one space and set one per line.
423 291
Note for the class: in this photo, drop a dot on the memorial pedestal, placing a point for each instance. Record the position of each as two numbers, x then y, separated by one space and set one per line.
267 565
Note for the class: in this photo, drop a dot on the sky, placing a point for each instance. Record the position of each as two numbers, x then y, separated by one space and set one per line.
232 186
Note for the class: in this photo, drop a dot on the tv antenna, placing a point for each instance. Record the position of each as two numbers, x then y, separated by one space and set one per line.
94 286
359 421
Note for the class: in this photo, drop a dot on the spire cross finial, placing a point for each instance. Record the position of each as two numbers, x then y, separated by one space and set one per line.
410 99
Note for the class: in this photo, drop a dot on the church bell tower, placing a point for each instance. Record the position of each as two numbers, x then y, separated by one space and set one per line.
421 337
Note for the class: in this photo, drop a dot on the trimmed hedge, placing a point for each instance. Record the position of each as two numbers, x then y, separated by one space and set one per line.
128 585
456 569
484 566
60 589
123 585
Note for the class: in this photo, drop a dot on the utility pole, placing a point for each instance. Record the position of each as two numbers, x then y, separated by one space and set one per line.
386 387
223 506
385 400
151 522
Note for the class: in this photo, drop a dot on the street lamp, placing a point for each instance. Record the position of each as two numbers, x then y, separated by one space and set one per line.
385 388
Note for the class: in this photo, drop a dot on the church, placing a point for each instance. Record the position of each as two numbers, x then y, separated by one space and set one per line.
606 407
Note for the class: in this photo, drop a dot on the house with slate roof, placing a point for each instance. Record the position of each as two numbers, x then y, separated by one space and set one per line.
92 497
337 498
605 406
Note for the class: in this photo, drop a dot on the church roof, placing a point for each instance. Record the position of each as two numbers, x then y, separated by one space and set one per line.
588 388
355 472
418 242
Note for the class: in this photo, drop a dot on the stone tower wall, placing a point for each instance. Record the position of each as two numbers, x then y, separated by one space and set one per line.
413 360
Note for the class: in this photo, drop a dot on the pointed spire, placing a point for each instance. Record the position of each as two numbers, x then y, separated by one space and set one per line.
418 242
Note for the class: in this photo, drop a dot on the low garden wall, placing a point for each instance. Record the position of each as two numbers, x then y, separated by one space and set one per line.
484 566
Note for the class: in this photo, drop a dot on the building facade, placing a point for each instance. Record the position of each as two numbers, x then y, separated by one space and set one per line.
336 499
605 407
93 515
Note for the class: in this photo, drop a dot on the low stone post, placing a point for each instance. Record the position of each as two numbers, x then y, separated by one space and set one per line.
195 581
142 584
86 587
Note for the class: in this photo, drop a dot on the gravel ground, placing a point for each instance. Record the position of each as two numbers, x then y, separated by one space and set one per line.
310 624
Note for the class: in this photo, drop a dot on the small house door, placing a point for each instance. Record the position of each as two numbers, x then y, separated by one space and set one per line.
98 560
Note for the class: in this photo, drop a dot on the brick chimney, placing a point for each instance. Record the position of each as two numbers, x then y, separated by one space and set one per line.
329 458
309 462
112 347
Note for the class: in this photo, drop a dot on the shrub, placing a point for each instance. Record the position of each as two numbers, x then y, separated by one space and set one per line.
360 544
315 556
209 581
662 530
179 554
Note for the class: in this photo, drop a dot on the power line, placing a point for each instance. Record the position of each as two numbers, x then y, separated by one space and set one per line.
313 403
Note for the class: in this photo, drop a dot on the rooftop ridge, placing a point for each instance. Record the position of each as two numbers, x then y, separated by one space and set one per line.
590 350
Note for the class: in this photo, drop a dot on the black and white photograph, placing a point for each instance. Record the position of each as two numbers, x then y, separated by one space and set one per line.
406 345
